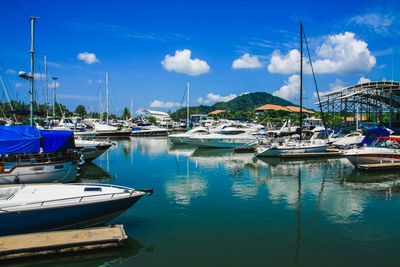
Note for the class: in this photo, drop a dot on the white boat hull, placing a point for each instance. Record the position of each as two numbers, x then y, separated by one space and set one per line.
276 151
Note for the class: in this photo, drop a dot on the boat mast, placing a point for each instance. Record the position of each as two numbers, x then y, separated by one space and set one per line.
54 96
131 108
101 108
32 19
107 96
301 79
187 108
47 88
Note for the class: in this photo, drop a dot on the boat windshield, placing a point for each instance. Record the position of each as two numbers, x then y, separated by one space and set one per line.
231 132
388 143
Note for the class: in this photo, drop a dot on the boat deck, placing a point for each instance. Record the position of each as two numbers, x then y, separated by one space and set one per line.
379 166
56 242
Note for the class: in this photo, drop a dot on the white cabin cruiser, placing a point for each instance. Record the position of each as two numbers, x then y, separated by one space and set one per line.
275 149
349 140
48 207
227 137
183 138
148 130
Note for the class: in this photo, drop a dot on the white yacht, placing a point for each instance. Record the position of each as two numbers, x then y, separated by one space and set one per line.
183 138
276 149
227 137
148 130
349 140
91 149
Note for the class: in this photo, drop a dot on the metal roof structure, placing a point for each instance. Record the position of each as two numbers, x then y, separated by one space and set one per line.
372 99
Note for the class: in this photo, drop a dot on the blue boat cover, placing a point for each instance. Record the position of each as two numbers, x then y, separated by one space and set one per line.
19 140
26 139
372 134
53 141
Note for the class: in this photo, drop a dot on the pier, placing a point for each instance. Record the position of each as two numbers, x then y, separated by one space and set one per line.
57 242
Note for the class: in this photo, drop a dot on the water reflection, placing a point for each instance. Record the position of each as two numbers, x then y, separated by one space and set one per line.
90 173
183 188
102 257
150 146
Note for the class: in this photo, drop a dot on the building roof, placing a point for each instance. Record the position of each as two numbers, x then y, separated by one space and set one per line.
297 109
216 112
271 107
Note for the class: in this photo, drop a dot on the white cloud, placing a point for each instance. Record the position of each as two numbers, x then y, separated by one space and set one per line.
10 71
100 81
38 75
89 81
183 63
285 64
215 98
338 84
89 58
246 62
17 85
161 104
377 22
340 53
363 80
291 90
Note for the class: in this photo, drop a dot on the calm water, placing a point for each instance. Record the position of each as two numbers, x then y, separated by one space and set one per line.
215 207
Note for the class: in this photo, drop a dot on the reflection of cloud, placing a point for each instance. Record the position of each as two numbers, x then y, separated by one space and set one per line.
152 146
183 189
244 189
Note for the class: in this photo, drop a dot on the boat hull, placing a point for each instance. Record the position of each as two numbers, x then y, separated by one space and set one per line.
373 159
275 152
74 216
62 172
91 153
222 142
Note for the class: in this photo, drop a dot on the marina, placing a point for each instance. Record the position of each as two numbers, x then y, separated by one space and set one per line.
210 202
247 142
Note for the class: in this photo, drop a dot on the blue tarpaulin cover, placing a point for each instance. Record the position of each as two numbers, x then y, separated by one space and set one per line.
19 140
372 134
53 141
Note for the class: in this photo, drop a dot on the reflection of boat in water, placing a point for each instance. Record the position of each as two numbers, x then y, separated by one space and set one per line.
91 172
98 257
152 145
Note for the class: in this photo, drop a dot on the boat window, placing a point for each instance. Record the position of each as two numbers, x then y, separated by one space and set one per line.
92 189
231 132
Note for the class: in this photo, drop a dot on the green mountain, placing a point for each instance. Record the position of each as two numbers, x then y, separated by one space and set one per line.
251 101
244 102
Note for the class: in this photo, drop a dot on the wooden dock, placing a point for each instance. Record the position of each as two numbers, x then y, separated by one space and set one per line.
329 154
47 243
379 166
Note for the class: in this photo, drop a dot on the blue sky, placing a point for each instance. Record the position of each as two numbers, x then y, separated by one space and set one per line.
151 49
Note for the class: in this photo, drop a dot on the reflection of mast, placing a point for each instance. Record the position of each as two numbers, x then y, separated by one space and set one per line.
298 228
108 162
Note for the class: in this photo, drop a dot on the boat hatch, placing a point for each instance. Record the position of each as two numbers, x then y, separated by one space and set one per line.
92 189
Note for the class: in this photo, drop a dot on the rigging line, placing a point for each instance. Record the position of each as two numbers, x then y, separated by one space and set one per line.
183 97
20 9
315 81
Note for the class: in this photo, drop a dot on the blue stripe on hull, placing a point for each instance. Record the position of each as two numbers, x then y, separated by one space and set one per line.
63 217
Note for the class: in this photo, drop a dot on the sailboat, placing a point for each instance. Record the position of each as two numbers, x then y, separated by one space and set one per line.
301 146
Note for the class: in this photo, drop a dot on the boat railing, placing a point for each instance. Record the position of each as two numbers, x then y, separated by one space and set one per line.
78 198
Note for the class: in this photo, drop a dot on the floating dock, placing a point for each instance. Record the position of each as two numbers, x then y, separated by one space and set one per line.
379 166
311 155
56 242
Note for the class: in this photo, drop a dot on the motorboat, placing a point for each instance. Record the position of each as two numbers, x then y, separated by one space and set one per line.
48 207
227 137
148 129
29 155
313 124
91 149
278 148
383 150
348 140
183 138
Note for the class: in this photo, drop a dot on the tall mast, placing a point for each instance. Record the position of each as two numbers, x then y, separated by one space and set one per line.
187 108
131 108
301 79
32 19
54 96
47 88
107 95
101 108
